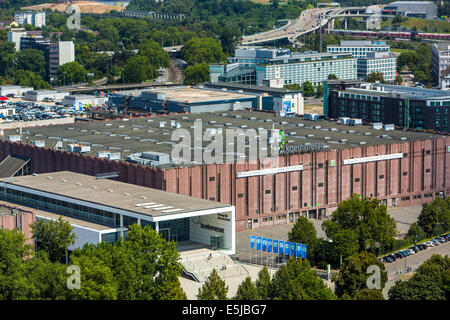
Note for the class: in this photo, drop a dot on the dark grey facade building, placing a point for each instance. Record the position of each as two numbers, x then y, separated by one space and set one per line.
409 108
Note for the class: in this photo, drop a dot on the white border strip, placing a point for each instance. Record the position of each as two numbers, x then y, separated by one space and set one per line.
264 172
374 158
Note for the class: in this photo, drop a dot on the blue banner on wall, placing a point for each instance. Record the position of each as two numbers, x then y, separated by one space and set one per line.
258 243
286 248
298 253
264 244
292 249
269 245
275 246
304 251
252 242
281 247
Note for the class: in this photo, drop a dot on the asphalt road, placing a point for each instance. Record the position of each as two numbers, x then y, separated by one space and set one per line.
397 269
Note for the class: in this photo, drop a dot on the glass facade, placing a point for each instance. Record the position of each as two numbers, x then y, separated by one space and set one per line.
61 207
178 229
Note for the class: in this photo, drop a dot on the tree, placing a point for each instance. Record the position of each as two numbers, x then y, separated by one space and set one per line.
368 218
28 78
49 279
7 58
144 266
319 91
71 73
228 37
434 214
153 51
31 60
97 280
398 80
54 237
415 232
308 89
419 287
196 74
376 76
297 281
304 232
352 277
247 291
369 294
332 76
346 243
13 252
139 69
202 50
263 283
213 289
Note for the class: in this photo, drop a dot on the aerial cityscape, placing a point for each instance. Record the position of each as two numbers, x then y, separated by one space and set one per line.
244 150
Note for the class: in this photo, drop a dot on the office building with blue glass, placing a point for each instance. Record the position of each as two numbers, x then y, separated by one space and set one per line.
279 67
103 209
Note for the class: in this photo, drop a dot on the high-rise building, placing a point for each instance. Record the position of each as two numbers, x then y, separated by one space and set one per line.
440 64
405 107
358 48
276 67
15 34
55 53
36 19
383 62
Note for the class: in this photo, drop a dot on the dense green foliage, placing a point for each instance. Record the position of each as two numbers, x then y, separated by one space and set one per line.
54 237
196 74
435 214
142 267
297 281
376 76
202 50
352 277
365 221
254 17
304 232
247 291
431 282
419 62
71 73
213 289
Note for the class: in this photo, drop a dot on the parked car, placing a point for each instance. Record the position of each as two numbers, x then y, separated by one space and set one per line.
389 259
415 249
410 251
405 253
392 257
436 242
398 255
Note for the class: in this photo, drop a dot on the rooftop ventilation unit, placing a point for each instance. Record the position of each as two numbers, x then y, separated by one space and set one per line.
377 125
49 177
388 127
78 183
403 138
110 190
126 194
94 187
63 180
362 142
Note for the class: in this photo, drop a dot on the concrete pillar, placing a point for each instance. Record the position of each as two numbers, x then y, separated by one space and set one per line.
345 24
121 225
139 221
157 226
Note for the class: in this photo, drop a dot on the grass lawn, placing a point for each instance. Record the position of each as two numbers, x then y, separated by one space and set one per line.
401 50
425 25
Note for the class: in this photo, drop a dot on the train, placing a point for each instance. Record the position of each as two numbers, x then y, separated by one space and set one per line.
407 35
